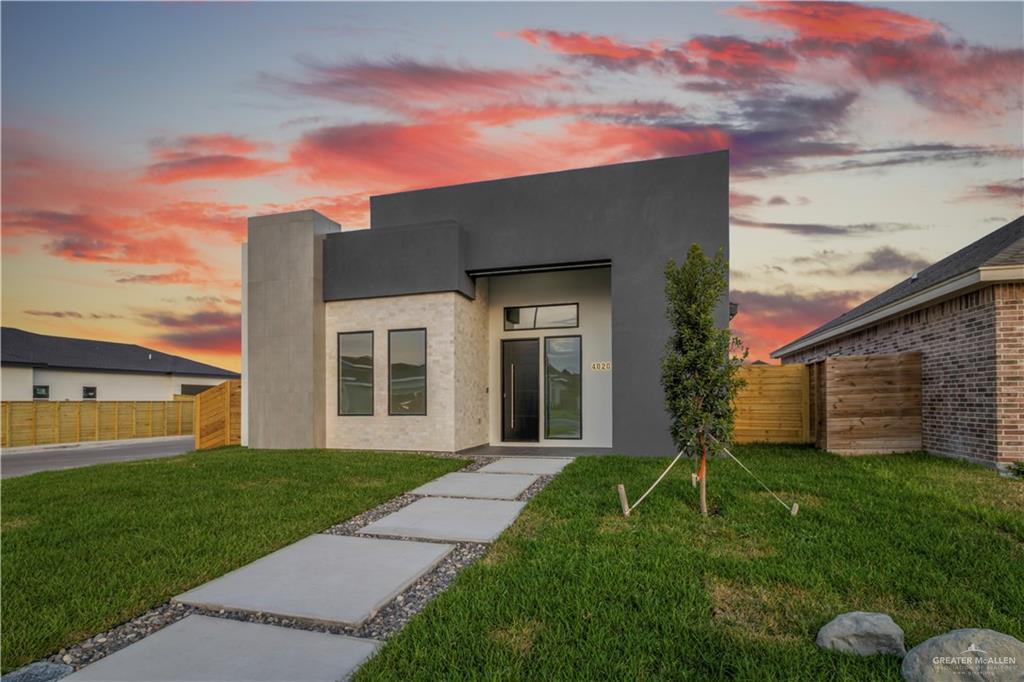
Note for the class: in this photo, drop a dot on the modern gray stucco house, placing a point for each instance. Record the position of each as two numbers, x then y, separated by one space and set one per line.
527 310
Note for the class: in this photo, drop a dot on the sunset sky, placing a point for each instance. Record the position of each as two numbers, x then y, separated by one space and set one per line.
866 140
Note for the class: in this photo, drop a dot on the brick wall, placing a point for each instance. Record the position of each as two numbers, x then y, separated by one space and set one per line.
972 370
1009 304
434 431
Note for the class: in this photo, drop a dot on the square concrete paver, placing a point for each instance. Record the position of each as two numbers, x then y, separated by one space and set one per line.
442 518
329 578
547 466
201 648
488 486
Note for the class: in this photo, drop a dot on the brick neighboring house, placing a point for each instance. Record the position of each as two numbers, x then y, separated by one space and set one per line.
965 314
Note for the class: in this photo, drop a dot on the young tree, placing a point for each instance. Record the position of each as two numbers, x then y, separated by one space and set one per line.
699 369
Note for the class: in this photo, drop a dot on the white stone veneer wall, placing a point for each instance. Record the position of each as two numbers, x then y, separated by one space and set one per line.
456 372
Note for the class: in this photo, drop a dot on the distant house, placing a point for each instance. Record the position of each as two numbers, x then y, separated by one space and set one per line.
965 314
40 367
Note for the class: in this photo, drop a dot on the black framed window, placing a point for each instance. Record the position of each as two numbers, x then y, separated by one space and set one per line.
88 393
355 373
407 372
555 316
563 387
40 393
194 389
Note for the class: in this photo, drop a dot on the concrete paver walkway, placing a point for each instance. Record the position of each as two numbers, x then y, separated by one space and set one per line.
203 649
477 485
337 579
527 465
328 578
447 518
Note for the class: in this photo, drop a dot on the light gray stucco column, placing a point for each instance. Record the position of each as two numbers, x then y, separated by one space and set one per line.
285 330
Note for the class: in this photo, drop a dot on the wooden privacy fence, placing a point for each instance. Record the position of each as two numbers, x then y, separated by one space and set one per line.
867 404
219 415
45 422
774 406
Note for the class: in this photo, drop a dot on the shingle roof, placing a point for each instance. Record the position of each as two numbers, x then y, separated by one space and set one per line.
38 350
1005 246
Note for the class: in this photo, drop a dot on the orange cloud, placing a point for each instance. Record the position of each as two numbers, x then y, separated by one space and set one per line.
767 321
588 45
837 21
204 157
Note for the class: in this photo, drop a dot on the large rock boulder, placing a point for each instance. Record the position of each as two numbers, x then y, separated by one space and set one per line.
968 655
862 633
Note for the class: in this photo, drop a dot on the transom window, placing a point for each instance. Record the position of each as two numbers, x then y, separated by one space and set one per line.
556 316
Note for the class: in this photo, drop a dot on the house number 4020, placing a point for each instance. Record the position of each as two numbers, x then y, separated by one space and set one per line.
601 366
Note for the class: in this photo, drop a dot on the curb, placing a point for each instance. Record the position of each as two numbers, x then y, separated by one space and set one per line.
88 444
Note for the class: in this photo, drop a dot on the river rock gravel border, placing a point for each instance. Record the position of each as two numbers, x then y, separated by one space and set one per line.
389 620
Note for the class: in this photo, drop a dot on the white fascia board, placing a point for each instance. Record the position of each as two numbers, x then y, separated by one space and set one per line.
934 293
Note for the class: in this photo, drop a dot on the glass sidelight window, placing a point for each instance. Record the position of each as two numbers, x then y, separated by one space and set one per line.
563 387
407 371
355 373
542 317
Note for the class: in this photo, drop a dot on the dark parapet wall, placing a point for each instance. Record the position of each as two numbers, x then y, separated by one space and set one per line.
635 215
412 259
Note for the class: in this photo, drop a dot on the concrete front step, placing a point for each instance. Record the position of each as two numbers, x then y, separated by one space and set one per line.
545 466
202 649
445 518
327 578
486 486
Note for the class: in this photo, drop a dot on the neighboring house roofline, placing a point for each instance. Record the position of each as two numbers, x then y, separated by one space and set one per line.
961 284
100 370
28 349
996 257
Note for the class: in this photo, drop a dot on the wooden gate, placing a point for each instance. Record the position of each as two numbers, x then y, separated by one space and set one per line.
867 404
218 413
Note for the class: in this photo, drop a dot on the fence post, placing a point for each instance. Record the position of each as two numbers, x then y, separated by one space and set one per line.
35 420
56 422
117 418
196 423
227 412
97 421
7 424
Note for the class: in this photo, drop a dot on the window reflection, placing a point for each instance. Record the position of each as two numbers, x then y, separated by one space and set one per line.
542 317
563 364
355 373
407 380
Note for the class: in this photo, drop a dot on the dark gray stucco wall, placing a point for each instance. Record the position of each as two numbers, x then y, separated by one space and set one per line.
419 258
637 215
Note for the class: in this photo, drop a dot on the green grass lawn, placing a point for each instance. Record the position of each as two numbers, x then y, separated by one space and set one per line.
85 549
575 591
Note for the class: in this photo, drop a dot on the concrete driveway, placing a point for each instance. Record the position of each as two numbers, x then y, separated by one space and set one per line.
22 461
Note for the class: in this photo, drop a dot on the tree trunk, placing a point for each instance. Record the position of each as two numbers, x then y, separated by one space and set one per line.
703 476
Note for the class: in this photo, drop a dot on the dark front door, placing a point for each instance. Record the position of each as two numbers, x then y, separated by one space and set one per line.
520 387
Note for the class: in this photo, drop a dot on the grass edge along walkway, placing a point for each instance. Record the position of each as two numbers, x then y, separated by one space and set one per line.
575 591
86 549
